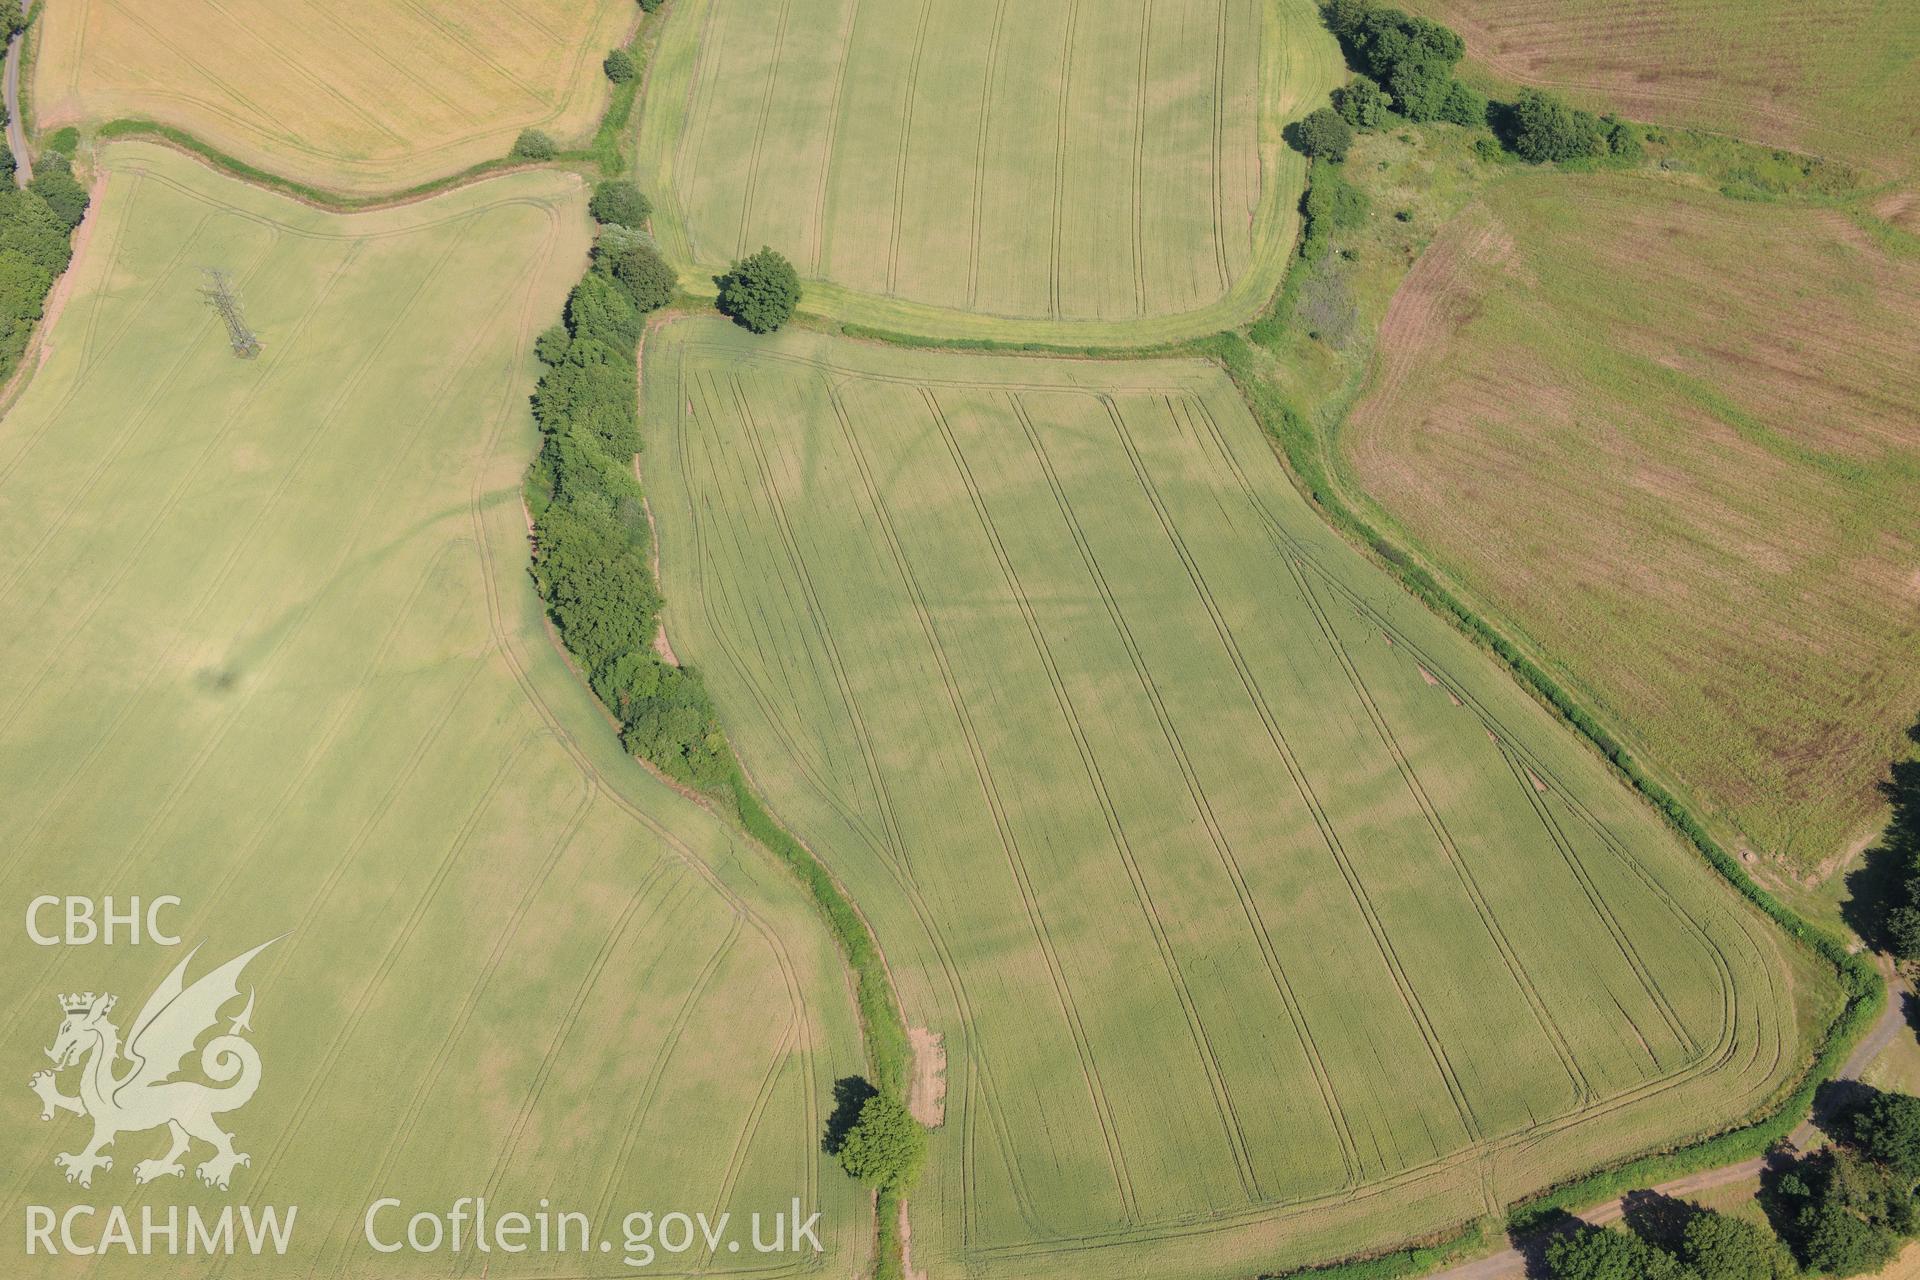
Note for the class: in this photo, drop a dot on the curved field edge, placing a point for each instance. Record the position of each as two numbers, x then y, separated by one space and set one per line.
1863 987
1010 1264
584 97
1300 63
484 542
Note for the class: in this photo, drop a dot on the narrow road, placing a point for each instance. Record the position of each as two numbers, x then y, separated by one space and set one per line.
1511 1264
16 131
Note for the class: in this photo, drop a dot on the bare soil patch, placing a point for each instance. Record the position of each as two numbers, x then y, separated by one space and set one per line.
927 1095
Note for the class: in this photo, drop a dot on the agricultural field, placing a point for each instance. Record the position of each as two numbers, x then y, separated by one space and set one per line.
1834 79
267 644
1264 920
1671 438
387 95
1105 170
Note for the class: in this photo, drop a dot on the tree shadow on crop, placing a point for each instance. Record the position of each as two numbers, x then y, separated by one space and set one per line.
850 1093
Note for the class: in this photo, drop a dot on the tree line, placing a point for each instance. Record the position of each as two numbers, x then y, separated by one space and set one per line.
1843 1210
36 233
592 544
592 553
1406 71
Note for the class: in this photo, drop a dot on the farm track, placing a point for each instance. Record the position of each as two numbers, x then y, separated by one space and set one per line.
1060 163
16 127
1140 157
760 128
906 145
980 150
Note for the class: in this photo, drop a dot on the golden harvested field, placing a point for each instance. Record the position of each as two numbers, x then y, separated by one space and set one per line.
991 169
1674 440
385 94
1833 77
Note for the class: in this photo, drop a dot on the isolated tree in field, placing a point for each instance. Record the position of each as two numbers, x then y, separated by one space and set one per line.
1362 104
886 1146
1601 1253
761 291
1323 135
630 259
1887 1129
532 144
1545 128
651 5
619 66
1721 1248
620 203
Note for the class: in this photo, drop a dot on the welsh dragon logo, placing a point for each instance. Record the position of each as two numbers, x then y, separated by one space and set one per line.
142 1094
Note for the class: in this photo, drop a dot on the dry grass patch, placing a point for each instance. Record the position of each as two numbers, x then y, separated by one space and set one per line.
1673 439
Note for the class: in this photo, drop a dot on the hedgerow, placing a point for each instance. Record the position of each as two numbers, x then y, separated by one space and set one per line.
36 226
592 566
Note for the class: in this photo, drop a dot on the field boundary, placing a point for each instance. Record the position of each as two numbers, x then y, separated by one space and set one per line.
1865 990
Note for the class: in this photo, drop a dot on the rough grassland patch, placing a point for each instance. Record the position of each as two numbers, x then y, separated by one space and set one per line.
1251 944
1834 78
267 643
382 95
1673 439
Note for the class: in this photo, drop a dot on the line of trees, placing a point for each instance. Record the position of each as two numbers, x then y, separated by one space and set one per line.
36 234
1844 1210
592 543
592 566
1406 70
